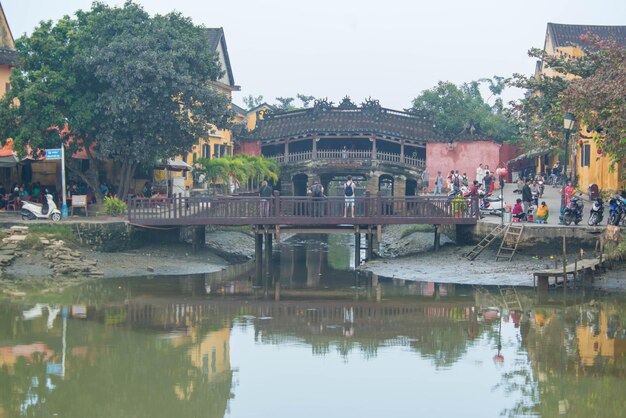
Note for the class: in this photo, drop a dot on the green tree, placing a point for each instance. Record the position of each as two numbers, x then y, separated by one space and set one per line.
306 100
458 109
246 171
251 102
592 86
285 104
131 88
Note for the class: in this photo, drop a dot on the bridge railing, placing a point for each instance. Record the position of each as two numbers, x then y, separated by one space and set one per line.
296 210
340 154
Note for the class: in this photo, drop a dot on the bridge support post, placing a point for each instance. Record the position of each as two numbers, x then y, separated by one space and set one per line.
268 245
258 247
437 242
198 238
357 248
370 243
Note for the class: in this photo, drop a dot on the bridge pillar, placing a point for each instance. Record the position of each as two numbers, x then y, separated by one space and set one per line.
198 238
258 247
268 245
357 248
437 238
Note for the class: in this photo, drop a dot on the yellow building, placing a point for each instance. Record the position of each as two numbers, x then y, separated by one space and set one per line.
218 142
587 163
7 53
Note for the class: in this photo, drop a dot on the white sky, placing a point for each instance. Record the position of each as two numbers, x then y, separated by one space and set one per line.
390 50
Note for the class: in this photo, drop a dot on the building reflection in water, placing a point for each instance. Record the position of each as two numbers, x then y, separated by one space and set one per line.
159 346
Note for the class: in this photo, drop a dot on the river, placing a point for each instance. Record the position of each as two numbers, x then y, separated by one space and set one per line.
306 335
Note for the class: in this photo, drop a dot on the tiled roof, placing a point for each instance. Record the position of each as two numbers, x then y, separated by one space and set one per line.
215 36
324 119
7 56
568 35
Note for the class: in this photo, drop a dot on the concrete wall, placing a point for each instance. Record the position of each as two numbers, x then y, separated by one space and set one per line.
462 156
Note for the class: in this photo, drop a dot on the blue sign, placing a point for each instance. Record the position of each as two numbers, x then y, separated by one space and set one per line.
53 154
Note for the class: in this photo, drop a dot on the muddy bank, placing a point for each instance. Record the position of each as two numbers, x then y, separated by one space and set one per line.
412 258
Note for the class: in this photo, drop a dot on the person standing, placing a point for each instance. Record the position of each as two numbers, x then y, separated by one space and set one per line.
348 193
317 192
265 192
425 175
438 183
480 173
527 196
569 193
487 181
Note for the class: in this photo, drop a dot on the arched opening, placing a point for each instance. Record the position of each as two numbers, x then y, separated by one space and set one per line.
300 184
411 187
385 185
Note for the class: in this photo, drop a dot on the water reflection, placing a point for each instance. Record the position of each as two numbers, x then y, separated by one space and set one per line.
305 336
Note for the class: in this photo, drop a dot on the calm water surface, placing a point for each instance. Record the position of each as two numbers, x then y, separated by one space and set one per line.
306 336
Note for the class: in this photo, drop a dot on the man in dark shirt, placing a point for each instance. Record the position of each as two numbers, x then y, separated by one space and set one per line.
265 192
527 196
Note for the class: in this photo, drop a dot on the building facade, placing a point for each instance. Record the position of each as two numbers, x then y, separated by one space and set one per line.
588 164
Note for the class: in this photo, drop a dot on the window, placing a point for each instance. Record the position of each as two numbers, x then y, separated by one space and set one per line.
585 156
206 151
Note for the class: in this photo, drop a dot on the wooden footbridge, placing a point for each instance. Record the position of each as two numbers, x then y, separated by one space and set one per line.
298 211
269 216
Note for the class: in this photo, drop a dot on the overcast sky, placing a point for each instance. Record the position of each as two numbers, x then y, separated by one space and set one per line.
390 50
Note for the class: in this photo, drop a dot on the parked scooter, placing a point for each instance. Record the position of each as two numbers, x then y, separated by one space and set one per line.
617 210
574 211
597 210
490 204
47 210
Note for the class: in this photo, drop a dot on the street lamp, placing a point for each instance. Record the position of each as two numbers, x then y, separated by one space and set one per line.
568 124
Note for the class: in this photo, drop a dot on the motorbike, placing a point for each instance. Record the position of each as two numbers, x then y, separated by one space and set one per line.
48 210
597 211
617 210
574 211
490 205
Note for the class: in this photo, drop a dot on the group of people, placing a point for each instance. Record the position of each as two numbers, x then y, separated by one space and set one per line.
16 193
317 192
455 180
530 199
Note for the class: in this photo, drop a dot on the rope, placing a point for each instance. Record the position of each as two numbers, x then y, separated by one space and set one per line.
152 227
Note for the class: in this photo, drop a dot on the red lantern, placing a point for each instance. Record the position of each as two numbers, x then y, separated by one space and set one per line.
501 172
580 142
599 151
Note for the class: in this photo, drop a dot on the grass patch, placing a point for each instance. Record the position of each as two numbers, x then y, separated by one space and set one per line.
616 251
55 231
411 229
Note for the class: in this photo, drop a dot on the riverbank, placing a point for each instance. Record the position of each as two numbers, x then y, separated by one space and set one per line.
406 253
410 257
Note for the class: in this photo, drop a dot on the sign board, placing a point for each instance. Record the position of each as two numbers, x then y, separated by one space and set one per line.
53 154
79 201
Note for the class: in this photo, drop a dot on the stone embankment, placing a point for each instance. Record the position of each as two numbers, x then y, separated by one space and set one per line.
9 246
65 261
62 259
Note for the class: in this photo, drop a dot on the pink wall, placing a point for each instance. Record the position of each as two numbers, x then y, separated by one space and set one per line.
250 148
465 157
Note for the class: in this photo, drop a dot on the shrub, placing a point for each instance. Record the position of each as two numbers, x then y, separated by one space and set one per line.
114 206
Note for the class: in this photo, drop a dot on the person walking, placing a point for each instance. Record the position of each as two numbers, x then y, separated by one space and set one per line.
438 183
527 196
480 173
569 193
348 193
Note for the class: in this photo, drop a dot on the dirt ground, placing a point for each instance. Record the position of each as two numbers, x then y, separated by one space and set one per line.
409 258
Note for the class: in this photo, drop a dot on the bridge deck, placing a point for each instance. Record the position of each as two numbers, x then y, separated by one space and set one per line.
300 211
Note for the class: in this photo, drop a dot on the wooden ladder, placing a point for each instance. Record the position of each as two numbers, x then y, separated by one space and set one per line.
509 242
510 298
485 242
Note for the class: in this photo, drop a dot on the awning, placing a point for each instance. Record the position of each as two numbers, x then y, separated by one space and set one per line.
175 165
8 161
528 155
